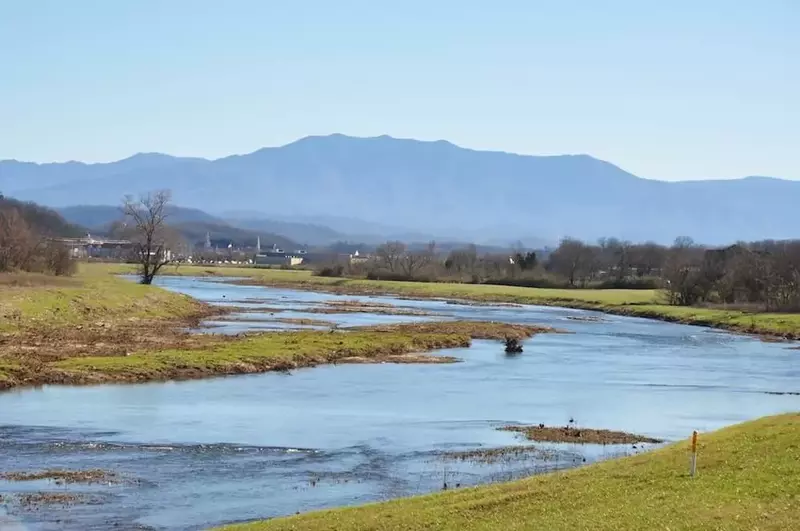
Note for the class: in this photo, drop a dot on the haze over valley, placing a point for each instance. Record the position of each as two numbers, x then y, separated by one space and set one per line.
327 188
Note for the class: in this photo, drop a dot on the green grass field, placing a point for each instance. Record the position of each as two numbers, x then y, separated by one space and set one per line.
748 479
638 303
30 302
259 353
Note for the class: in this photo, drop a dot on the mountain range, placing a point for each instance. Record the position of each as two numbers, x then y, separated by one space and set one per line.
387 185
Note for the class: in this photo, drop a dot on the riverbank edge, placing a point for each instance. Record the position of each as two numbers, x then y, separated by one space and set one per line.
745 478
657 312
211 356
767 326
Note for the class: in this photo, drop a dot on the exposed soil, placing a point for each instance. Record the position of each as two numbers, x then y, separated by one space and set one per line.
574 434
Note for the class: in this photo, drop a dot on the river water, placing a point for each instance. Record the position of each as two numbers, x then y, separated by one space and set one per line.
201 453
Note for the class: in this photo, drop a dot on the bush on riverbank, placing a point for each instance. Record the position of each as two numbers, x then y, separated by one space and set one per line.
25 246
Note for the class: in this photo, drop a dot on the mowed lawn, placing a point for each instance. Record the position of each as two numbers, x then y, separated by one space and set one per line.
637 303
748 479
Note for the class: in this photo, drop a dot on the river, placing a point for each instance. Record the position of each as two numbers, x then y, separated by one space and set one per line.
201 453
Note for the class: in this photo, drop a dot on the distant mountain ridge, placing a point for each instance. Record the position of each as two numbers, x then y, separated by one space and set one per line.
431 188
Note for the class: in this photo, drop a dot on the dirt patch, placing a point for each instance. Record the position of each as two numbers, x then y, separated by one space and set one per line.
574 434
65 476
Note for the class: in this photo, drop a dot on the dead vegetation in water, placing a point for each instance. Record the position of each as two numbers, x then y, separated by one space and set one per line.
473 329
586 318
413 358
353 306
233 308
33 501
303 321
464 302
578 435
503 454
60 476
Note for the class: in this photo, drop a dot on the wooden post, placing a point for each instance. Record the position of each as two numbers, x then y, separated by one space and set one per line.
693 470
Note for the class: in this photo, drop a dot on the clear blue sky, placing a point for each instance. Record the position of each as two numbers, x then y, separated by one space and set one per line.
669 90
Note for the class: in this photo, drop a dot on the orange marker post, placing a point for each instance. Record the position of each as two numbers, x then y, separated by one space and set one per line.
693 470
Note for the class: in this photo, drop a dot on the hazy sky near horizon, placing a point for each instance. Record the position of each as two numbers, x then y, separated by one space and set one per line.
668 90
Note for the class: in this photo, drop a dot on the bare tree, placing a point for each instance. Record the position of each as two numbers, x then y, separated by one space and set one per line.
147 220
391 254
573 259
17 241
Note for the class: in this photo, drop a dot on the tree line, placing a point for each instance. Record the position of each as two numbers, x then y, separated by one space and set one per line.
26 239
764 274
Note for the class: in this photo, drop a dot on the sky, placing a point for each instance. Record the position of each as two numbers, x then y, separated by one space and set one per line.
666 90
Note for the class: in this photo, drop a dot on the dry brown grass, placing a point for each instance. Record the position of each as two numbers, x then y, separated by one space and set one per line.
473 329
64 476
577 435
31 280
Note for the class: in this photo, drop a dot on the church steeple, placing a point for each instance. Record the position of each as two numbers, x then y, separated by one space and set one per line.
258 244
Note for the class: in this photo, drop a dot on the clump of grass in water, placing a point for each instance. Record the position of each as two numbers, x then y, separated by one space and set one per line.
574 434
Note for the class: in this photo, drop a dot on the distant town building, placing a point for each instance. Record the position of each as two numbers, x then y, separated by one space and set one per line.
357 258
271 258
89 247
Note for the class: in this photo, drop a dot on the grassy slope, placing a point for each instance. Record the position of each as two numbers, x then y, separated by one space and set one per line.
34 302
749 478
39 313
640 303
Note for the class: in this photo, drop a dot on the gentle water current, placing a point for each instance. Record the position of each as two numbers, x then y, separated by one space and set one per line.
208 452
